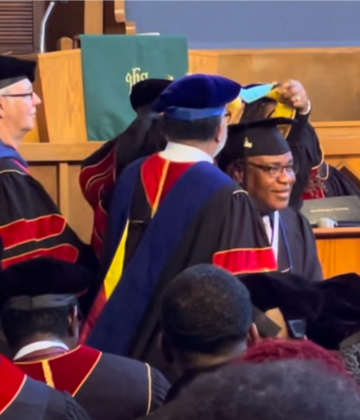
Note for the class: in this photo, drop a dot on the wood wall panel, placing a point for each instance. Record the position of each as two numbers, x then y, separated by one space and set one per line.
339 256
80 213
47 175
330 75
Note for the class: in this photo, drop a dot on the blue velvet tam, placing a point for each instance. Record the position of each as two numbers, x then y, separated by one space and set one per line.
197 96
13 70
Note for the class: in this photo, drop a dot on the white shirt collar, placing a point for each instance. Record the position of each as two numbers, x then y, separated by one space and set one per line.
177 152
39 345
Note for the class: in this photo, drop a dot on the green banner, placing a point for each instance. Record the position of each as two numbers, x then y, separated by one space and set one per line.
112 64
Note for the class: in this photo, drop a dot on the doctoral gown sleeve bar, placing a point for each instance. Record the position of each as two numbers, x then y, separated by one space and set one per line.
30 223
98 173
244 246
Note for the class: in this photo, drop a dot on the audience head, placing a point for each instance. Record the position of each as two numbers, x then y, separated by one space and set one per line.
39 301
206 316
18 102
194 111
273 350
290 389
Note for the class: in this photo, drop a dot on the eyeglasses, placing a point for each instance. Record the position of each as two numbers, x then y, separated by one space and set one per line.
274 171
19 95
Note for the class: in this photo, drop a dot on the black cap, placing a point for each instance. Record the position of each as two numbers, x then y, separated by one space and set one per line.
144 93
257 138
13 70
42 283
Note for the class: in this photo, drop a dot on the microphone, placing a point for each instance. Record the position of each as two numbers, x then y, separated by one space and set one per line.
44 22
324 222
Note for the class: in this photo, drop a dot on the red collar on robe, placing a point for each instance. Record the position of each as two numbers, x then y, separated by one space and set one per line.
12 381
65 372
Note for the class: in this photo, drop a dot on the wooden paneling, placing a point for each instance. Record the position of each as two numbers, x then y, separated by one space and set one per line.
330 75
59 83
20 25
339 250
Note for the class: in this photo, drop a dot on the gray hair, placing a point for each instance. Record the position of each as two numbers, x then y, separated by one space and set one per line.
5 91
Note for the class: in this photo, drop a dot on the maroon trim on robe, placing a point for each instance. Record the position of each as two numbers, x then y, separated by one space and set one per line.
12 381
69 371
318 192
161 174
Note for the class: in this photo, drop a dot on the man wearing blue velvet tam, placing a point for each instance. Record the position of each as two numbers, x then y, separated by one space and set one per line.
172 210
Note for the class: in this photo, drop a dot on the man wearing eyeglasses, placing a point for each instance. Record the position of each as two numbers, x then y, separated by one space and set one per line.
30 223
258 156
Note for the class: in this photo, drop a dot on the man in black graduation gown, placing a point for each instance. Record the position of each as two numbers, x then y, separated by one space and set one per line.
258 156
30 223
170 211
40 319
142 138
315 178
23 398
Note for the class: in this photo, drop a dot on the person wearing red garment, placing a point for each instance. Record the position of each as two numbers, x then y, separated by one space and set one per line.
172 210
30 223
41 321
23 398
100 170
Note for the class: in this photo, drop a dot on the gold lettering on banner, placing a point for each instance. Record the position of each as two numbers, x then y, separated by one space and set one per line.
135 76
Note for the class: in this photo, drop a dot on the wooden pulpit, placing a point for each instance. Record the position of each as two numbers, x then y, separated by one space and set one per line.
339 250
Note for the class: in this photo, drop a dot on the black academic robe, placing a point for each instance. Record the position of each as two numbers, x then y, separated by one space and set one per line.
337 184
297 246
167 216
107 386
306 149
100 170
30 223
23 398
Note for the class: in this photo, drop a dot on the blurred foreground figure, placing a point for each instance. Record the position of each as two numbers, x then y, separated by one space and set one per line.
291 389
23 398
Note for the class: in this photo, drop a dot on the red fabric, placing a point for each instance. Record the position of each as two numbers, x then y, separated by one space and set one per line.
12 380
64 252
238 261
97 236
152 172
23 231
97 178
69 371
318 192
272 350
94 315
